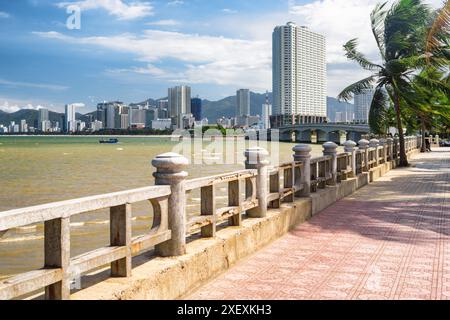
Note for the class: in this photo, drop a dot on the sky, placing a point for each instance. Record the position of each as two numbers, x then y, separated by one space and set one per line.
131 50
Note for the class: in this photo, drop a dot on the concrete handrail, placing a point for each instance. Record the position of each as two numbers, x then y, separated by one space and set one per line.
264 188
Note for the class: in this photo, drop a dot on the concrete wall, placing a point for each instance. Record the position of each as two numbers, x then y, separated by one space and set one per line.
206 258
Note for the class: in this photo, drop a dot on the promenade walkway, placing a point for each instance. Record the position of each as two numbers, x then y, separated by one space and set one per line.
389 240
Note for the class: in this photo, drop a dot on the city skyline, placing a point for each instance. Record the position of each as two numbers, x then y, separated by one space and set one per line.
133 54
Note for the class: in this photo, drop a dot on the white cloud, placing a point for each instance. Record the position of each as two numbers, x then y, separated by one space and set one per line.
119 8
5 106
168 22
8 105
226 10
340 21
175 3
4 15
32 85
206 59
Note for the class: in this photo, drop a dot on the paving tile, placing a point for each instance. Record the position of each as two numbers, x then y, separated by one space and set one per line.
389 240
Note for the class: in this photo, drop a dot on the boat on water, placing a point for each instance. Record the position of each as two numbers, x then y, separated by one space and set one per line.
110 140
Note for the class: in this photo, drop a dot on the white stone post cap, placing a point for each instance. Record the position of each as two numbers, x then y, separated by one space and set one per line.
383 141
350 144
170 161
374 142
389 140
302 148
329 146
363 143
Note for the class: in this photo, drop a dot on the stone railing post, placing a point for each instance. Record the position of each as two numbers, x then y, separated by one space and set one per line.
170 171
363 144
373 143
390 147
302 152
349 146
383 144
329 149
257 158
396 147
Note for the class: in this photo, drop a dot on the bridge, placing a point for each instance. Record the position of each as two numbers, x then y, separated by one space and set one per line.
178 254
323 132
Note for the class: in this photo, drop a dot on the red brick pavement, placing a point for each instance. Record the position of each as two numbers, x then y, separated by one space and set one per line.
389 240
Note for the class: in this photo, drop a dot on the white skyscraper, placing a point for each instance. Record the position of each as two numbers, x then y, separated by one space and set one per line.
362 105
179 103
70 117
299 75
242 102
266 113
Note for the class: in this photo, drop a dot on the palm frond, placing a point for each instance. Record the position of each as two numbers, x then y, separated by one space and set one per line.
405 28
433 84
377 112
439 28
356 88
377 17
352 54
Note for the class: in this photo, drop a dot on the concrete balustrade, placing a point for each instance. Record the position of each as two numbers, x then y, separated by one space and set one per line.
170 171
257 158
363 145
300 179
302 153
349 146
390 148
383 145
329 149
374 143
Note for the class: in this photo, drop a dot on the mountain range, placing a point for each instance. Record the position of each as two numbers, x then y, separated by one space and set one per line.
210 109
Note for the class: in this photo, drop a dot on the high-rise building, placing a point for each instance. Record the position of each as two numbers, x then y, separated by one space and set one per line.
23 126
151 114
70 118
196 108
299 75
42 116
137 117
179 103
266 113
109 113
362 105
242 102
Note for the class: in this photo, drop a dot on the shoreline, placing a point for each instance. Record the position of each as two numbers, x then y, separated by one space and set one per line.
90 135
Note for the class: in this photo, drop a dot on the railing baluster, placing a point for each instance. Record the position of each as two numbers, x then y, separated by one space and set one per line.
120 235
234 200
208 208
288 183
274 187
57 255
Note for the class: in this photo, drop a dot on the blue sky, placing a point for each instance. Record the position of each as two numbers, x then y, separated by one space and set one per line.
133 50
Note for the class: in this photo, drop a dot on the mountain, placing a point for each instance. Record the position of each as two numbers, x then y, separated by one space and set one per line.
31 117
227 106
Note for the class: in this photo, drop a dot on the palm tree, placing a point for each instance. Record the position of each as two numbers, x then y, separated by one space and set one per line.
401 34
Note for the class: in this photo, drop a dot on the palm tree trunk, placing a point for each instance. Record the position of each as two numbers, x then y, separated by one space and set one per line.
403 159
422 147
